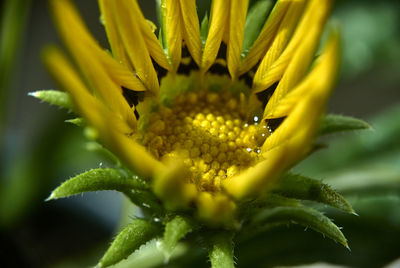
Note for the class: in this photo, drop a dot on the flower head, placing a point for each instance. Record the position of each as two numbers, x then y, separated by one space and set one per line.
209 114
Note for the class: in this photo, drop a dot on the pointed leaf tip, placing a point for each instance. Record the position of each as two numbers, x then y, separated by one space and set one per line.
332 123
305 216
76 121
301 187
129 240
53 97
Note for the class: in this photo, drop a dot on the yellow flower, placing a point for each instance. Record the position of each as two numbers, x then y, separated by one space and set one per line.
186 115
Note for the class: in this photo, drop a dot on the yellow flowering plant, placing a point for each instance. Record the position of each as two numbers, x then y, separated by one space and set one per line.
205 121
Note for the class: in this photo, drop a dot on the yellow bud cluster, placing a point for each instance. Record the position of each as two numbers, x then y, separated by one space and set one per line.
208 133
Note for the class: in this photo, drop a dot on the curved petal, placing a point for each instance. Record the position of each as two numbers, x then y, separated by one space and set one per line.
135 44
293 139
268 33
280 41
79 41
237 21
325 72
219 20
171 185
216 209
306 113
86 104
191 29
111 129
114 37
256 179
173 30
306 38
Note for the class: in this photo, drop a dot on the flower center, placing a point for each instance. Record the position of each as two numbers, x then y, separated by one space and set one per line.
209 131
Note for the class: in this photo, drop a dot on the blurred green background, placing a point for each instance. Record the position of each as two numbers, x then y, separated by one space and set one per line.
39 150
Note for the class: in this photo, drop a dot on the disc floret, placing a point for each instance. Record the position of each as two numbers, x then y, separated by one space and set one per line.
209 131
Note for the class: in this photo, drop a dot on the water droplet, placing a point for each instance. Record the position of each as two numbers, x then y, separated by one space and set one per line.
145 205
255 118
155 219
249 149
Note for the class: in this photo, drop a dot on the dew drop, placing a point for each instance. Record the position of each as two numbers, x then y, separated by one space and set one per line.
145 205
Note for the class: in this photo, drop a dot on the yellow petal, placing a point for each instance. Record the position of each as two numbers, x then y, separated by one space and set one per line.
216 209
293 139
61 69
117 45
135 44
171 186
306 113
79 41
133 155
219 22
94 63
263 41
153 45
324 72
292 61
256 179
237 21
108 91
111 129
173 28
280 41
191 29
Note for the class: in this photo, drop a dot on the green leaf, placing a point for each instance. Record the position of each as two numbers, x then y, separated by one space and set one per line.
221 251
305 216
332 123
80 122
97 180
53 97
204 28
129 240
301 187
175 230
255 21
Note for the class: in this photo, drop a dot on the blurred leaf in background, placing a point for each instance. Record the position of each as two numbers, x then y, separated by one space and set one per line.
364 167
12 29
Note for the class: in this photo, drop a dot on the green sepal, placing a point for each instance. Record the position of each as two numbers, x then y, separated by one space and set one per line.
54 97
80 122
304 188
97 180
107 154
256 17
175 230
221 251
305 216
146 201
332 123
204 29
129 240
